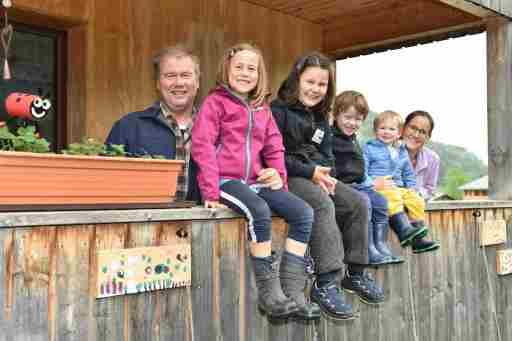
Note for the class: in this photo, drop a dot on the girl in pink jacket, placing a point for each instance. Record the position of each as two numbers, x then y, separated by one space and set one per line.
239 151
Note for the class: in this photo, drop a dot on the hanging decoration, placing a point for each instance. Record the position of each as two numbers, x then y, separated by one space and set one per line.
5 37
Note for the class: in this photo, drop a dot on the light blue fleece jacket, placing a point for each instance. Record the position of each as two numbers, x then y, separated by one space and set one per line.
379 162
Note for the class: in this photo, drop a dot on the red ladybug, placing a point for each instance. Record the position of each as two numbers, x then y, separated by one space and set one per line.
27 106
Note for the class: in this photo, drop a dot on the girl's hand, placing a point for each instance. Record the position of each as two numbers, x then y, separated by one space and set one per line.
322 178
213 204
271 178
383 183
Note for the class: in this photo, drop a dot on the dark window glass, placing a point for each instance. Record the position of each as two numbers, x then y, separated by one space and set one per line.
33 63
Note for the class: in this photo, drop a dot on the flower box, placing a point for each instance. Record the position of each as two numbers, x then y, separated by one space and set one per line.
32 180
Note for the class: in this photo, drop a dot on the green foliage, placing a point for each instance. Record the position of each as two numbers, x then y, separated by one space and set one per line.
90 146
24 140
455 177
452 157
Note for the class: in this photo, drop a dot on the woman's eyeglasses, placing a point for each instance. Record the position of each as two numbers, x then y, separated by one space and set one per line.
418 131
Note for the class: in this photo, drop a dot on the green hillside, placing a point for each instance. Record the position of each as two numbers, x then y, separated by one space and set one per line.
458 165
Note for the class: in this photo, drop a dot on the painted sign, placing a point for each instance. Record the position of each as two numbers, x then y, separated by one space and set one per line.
493 232
504 262
130 271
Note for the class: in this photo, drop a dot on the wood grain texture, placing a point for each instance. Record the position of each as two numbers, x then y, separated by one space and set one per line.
499 107
47 273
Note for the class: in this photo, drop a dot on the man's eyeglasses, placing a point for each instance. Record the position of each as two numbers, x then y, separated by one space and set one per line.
416 130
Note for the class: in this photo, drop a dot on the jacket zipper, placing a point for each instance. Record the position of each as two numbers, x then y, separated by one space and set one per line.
248 140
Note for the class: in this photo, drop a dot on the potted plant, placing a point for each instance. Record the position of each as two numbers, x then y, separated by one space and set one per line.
88 175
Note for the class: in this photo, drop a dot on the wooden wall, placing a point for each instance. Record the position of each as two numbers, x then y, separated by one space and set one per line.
47 277
500 6
111 44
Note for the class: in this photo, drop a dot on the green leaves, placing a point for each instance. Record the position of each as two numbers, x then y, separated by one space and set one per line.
24 140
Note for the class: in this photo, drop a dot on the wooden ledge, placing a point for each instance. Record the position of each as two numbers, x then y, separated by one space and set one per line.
53 218
24 219
466 204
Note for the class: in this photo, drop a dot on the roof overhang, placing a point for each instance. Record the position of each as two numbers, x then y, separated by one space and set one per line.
355 27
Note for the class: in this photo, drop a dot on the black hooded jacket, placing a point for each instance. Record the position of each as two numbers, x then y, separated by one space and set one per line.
349 158
307 138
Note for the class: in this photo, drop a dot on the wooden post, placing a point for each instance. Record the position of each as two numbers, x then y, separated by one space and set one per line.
499 106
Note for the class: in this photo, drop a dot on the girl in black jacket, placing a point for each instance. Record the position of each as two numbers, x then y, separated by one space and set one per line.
301 112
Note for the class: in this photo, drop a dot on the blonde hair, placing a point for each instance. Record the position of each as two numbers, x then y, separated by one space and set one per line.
387 115
260 93
176 51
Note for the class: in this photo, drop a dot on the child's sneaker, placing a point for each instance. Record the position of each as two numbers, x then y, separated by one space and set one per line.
332 301
364 286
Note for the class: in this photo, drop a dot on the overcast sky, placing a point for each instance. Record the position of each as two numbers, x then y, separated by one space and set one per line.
447 79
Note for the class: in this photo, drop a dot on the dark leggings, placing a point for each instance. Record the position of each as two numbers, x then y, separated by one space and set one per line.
258 206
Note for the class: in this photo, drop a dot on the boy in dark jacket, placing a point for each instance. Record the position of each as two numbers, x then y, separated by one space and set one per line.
350 110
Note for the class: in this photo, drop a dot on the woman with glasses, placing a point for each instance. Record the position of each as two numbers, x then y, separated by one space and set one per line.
417 131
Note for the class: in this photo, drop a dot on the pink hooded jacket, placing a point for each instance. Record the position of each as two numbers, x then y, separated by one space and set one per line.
231 140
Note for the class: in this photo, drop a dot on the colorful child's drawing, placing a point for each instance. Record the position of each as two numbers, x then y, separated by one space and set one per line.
130 271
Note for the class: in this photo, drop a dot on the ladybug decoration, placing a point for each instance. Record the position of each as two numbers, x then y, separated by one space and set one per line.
27 106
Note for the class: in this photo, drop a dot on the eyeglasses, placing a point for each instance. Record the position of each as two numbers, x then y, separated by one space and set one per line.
418 131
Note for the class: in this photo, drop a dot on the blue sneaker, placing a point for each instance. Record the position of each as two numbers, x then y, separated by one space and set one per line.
331 300
363 286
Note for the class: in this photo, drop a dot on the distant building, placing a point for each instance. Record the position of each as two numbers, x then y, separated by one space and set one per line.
476 189
441 197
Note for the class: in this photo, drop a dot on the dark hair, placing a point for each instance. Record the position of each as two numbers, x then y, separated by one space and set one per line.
351 98
289 90
420 113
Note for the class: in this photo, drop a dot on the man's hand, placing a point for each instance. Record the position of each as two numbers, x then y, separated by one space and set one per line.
270 178
322 178
383 183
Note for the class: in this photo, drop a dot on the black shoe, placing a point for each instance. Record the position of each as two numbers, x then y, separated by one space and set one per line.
404 230
332 301
364 286
420 245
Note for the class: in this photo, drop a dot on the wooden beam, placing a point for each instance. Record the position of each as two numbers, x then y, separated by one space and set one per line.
393 24
499 107
409 40
503 7
470 7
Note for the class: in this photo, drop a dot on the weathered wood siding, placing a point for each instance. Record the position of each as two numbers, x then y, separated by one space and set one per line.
500 6
111 44
499 107
47 287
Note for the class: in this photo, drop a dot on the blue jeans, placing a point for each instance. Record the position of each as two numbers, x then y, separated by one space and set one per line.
257 206
377 207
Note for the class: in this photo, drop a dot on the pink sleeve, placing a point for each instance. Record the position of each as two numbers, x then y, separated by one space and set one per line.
205 133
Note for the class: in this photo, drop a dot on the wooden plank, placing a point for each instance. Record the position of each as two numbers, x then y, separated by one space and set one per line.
469 7
32 304
499 86
256 324
109 313
345 32
72 255
6 283
229 280
202 287
487 325
171 318
139 309
499 6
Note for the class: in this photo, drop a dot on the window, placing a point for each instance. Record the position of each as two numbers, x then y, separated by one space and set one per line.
34 60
